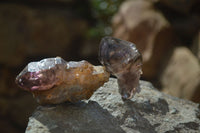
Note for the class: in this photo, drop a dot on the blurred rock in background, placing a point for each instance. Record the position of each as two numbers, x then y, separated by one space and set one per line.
167 35
182 6
159 28
137 21
182 74
34 30
196 46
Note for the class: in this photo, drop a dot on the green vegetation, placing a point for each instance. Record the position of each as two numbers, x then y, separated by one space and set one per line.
102 12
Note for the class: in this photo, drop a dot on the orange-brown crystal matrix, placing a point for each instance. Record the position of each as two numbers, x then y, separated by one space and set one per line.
72 81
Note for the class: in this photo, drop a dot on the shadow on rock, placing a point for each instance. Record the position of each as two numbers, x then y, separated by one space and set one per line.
156 107
135 119
73 118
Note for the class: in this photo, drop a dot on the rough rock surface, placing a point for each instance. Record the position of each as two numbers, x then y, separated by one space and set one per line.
148 112
137 21
181 77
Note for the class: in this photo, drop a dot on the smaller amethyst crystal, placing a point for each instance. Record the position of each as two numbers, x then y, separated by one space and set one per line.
123 60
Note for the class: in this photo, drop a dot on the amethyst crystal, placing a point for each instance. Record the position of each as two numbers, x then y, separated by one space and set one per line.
41 75
53 80
123 60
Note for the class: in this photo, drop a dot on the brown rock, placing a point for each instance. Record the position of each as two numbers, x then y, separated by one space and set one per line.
16 110
182 6
186 27
7 127
138 22
31 31
181 78
196 46
7 84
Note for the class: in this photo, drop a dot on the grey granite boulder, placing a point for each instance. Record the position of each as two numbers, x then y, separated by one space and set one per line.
150 111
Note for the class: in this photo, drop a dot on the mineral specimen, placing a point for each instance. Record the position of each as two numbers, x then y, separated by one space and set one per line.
123 60
53 80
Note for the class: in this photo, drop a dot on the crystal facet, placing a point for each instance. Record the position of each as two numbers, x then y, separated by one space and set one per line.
53 80
123 60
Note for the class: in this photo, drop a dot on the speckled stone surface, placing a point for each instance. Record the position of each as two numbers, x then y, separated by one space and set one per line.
150 111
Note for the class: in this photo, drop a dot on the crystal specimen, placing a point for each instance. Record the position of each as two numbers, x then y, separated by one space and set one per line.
123 60
53 80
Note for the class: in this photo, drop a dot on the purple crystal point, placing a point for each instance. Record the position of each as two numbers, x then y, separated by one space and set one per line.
41 75
122 59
